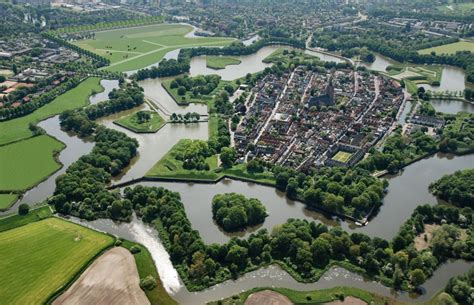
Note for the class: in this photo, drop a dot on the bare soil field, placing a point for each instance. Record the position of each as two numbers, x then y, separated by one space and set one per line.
111 279
267 297
420 242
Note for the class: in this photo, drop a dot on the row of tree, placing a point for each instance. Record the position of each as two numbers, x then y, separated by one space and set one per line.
8 113
170 67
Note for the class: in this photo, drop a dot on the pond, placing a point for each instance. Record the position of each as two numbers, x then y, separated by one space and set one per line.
452 106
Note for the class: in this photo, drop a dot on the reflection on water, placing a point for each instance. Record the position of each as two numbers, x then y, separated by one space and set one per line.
452 79
452 106
104 95
380 64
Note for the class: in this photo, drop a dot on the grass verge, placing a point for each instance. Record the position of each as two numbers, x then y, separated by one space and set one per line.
146 266
14 220
7 200
220 62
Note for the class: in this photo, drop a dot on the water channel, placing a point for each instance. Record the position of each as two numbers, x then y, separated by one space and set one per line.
406 191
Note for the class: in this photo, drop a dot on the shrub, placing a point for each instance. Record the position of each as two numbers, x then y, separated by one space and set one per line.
147 283
135 249
118 242
23 209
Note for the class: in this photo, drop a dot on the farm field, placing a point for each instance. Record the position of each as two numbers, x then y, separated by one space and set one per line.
6 200
132 122
137 47
342 156
220 62
75 98
28 162
450 48
40 258
14 220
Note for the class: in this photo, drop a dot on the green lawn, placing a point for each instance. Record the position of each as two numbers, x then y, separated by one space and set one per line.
146 266
40 258
450 48
220 62
137 47
131 122
17 129
286 54
26 163
7 200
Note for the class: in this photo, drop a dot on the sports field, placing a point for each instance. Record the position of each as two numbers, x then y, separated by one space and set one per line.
342 156
450 48
72 99
137 47
41 257
26 163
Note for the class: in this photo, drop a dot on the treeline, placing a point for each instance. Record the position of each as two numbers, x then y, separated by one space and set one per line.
457 188
173 67
235 212
302 248
100 60
8 113
460 288
81 121
100 25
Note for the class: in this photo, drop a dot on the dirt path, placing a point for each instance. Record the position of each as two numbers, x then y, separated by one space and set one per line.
267 297
111 279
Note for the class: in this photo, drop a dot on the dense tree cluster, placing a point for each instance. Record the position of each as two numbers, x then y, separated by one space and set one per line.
81 121
457 188
8 113
82 191
194 155
458 133
352 192
303 248
460 288
170 67
199 85
188 117
235 212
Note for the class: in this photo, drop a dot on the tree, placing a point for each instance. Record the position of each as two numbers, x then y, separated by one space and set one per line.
23 209
227 156
182 91
321 250
417 277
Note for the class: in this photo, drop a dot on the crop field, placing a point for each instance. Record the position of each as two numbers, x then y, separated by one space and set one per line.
451 48
40 258
220 62
132 122
26 163
137 47
75 98
342 156
7 200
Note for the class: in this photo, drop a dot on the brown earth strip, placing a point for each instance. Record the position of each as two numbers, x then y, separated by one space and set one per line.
267 297
347 301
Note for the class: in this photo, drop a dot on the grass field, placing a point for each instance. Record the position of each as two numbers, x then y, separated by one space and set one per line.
137 47
26 163
40 258
7 200
342 156
146 266
450 48
220 62
14 220
285 55
17 129
131 122
314 297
